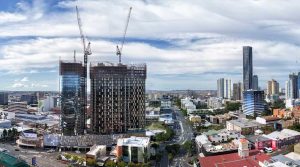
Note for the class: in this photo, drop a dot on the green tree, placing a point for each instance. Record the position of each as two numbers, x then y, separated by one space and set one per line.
187 146
110 163
4 134
232 106
131 164
121 164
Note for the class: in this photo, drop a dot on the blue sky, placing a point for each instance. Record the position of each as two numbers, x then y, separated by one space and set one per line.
186 44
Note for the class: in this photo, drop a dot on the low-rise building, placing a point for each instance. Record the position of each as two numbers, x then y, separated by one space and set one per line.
134 149
188 105
260 142
243 125
224 135
283 138
29 138
18 107
96 152
269 121
215 103
282 113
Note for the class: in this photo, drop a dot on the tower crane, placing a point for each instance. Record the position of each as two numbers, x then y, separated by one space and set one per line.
86 51
119 49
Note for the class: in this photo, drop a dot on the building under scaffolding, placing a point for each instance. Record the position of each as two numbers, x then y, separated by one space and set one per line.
117 97
72 98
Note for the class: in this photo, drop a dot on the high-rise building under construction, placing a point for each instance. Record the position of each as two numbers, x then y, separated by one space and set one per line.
117 97
73 97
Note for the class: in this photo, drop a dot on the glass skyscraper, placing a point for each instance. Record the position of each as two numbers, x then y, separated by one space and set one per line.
247 67
72 98
255 82
253 102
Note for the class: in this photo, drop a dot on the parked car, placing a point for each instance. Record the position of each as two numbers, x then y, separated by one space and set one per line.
268 150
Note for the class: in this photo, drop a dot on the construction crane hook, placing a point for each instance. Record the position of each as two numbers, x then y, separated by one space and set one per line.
119 49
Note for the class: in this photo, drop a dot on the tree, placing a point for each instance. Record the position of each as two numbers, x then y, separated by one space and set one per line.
232 106
187 146
110 163
45 126
121 164
131 164
4 134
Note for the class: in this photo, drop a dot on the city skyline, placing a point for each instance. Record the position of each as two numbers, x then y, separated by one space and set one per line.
182 50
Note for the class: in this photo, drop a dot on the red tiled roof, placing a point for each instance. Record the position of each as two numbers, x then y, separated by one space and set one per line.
234 160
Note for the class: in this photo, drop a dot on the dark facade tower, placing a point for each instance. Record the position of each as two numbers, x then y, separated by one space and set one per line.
255 82
247 67
117 97
3 98
294 85
72 98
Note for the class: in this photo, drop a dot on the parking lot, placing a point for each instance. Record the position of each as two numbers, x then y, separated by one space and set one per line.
43 158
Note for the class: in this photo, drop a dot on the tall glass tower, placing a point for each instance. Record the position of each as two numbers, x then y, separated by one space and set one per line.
72 98
247 67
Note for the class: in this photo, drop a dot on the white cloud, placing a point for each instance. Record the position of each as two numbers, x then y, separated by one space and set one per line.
25 79
204 37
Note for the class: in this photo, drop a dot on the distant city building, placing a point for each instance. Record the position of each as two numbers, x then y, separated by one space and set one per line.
255 82
117 97
224 88
291 87
72 98
273 87
214 102
237 91
134 149
253 102
48 103
3 98
188 105
30 99
247 67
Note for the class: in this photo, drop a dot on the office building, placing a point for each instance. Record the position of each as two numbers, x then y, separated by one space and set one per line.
29 98
117 97
291 87
224 88
237 91
17 107
247 67
134 149
253 102
72 98
272 87
3 98
255 82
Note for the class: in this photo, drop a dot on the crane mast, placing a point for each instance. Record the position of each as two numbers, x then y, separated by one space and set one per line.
86 51
119 49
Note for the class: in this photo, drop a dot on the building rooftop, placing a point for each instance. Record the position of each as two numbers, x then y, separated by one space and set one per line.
257 138
234 160
271 118
11 161
134 141
244 123
285 133
95 149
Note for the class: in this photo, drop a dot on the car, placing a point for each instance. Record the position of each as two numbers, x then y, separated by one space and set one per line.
16 149
50 151
268 150
77 151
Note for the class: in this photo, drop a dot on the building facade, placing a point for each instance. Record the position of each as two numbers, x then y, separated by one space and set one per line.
253 102
291 87
255 82
237 91
224 88
3 98
117 97
247 67
72 98
272 87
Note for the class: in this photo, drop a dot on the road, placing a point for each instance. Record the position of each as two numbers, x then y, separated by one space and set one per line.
184 133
